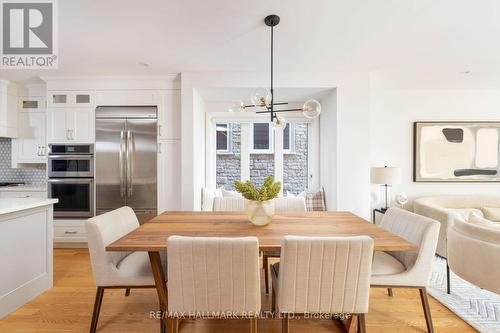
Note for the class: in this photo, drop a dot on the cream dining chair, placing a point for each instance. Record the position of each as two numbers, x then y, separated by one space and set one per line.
323 275
116 270
212 276
408 269
281 205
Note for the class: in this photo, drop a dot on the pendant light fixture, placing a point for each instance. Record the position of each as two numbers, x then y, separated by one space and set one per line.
264 99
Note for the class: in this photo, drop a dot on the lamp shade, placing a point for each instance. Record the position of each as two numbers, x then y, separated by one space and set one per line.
386 175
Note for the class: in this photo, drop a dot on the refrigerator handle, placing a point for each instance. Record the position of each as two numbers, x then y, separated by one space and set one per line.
120 157
130 163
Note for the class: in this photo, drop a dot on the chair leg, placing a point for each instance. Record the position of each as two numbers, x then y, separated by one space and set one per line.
253 325
427 309
273 300
265 260
285 322
361 323
162 326
175 325
97 308
127 292
448 286
389 292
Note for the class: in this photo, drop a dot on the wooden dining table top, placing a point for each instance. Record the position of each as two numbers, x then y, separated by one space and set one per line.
152 236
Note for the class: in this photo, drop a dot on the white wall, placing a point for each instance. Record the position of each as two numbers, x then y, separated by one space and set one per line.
328 144
353 103
394 109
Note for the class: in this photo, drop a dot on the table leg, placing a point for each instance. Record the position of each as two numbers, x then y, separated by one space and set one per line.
161 286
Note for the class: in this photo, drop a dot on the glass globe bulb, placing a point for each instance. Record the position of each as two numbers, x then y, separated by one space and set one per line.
311 109
237 107
279 122
261 97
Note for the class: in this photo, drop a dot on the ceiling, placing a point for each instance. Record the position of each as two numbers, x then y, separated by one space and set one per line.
115 37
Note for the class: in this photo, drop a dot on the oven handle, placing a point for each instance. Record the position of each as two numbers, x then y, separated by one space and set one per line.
72 157
71 180
122 182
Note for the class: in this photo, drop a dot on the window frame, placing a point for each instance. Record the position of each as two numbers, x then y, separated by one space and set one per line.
229 144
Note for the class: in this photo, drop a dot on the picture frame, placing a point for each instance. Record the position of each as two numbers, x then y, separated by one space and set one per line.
456 151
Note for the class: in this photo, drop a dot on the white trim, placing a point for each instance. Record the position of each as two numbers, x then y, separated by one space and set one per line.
245 152
278 154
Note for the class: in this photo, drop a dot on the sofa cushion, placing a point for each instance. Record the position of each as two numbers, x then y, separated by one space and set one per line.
465 212
482 222
385 264
231 194
491 213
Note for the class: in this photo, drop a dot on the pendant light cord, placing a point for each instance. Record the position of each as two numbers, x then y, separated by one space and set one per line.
272 69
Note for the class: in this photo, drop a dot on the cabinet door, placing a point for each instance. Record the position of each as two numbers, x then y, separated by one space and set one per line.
169 175
30 146
169 115
69 98
58 129
82 126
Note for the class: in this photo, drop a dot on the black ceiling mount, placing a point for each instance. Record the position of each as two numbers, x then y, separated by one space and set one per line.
272 20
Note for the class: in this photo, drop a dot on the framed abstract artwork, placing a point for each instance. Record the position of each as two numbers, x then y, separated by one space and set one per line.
456 152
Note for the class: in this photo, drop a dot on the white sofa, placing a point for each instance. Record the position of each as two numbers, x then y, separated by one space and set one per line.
474 254
446 209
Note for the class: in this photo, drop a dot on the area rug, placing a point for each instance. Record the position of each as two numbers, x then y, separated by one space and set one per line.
478 307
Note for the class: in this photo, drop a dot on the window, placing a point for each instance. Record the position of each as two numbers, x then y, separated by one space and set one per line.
261 138
240 149
228 159
289 138
223 138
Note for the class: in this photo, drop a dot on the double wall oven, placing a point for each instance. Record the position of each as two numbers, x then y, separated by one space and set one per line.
71 180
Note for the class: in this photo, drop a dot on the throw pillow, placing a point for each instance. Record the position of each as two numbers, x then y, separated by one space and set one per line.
465 212
482 222
491 213
315 201
207 198
227 193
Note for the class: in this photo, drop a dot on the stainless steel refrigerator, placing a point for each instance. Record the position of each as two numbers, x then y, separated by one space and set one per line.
125 159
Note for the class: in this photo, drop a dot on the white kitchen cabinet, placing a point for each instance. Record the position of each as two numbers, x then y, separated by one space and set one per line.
8 110
70 99
68 232
169 115
126 97
169 175
70 125
30 146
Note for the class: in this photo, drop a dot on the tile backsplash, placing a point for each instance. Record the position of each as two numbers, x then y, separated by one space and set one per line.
35 175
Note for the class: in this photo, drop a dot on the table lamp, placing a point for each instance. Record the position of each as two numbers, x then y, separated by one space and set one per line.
386 176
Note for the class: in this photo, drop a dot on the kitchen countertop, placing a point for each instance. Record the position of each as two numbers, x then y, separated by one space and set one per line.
12 205
24 188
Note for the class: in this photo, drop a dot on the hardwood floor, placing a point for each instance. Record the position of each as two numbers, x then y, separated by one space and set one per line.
67 308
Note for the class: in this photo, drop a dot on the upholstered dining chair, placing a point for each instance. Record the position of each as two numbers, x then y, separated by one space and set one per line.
323 275
474 254
282 205
208 276
116 270
408 269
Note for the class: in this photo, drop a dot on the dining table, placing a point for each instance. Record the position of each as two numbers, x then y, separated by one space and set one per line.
152 236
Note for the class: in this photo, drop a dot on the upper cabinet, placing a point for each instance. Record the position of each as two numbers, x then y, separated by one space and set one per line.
70 117
30 146
70 125
69 99
169 115
8 110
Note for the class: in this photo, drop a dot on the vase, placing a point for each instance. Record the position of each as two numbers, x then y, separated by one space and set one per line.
260 212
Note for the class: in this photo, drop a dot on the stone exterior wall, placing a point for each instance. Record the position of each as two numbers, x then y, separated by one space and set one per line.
295 171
